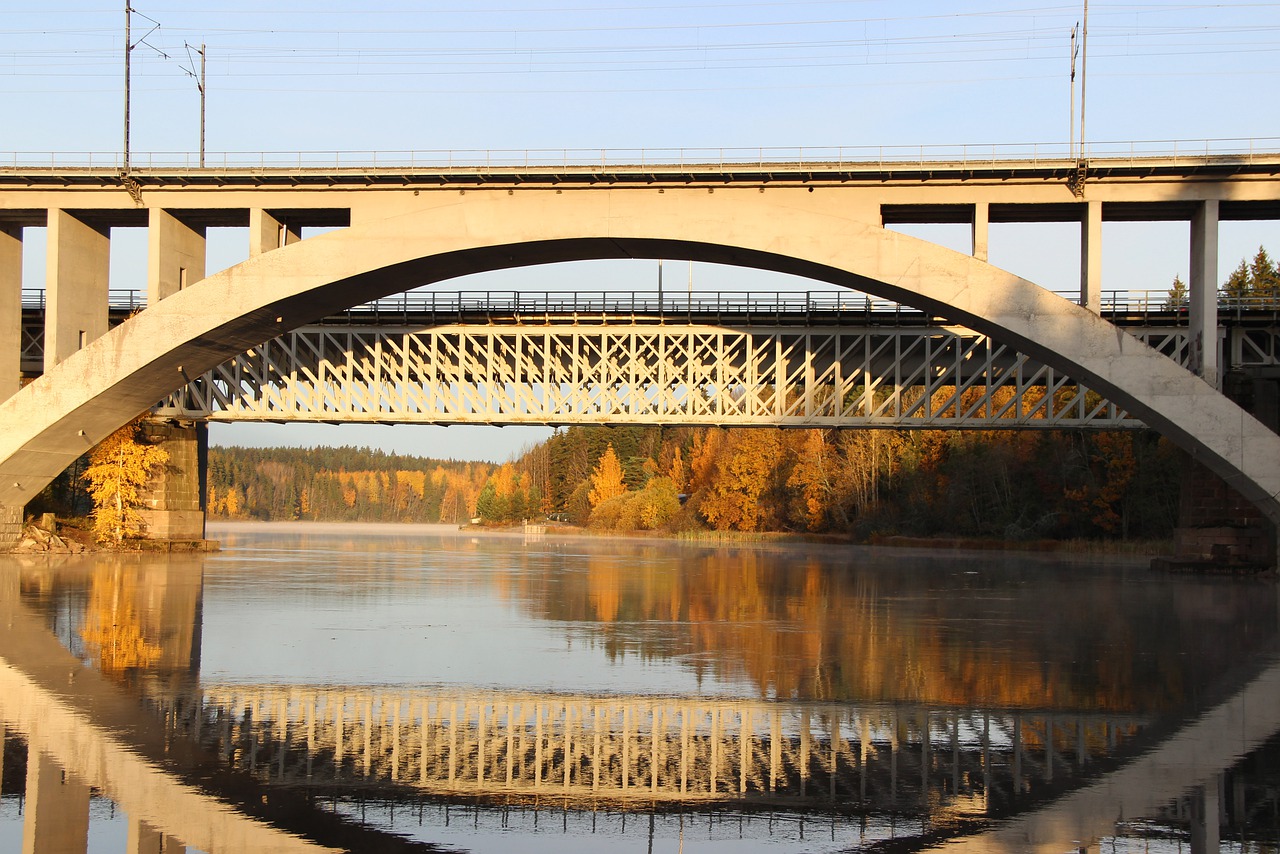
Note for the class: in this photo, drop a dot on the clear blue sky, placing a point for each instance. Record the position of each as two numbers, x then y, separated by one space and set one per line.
582 74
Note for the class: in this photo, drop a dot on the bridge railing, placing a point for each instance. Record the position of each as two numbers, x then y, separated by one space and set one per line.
438 305
1234 150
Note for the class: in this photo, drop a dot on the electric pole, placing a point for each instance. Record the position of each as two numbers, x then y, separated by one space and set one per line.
128 48
1084 71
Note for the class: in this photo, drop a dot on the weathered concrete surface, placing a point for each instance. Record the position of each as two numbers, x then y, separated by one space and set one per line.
173 501
74 405
10 524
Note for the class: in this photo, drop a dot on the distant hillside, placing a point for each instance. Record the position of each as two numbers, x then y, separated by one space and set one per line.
341 484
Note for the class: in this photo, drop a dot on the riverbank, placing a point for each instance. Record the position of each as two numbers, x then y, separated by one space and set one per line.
1134 548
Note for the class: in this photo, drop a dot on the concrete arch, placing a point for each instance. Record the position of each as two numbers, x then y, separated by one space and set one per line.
65 412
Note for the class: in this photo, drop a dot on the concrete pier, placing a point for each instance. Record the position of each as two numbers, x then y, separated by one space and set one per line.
174 500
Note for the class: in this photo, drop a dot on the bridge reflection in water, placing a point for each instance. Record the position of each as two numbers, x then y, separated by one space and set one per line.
650 750
265 767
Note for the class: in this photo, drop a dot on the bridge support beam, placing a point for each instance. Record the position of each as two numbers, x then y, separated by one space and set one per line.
174 499
76 286
1203 288
1091 257
57 808
981 230
175 255
10 311
267 232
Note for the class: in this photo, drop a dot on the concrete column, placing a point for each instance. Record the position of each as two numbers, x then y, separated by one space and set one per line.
57 809
175 255
173 502
145 839
266 232
1091 257
981 225
76 286
1202 311
10 311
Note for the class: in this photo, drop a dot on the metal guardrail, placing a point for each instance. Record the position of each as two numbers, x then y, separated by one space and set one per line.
417 303
1234 150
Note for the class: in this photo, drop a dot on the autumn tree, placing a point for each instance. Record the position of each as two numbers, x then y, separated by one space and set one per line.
741 475
606 480
119 468
810 481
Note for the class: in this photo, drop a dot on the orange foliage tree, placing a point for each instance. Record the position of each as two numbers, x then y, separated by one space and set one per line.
606 480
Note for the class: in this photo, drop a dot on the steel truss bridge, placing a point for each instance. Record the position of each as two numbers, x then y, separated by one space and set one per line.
644 751
791 360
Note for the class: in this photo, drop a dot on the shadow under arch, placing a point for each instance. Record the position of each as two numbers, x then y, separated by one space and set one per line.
73 406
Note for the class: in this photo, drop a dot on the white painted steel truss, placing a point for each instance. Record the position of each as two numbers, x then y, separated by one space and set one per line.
566 374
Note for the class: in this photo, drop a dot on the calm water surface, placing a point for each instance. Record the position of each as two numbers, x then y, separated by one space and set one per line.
373 688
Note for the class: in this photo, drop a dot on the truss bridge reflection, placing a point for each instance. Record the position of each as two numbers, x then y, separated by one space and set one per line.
648 750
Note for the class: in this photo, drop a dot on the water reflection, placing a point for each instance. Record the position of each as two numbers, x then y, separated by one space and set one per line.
846 705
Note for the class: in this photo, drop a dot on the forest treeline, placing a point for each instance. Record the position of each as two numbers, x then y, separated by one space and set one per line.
1007 484
341 485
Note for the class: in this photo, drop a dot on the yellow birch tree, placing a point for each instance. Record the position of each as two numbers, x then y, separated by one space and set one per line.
606 480
119 468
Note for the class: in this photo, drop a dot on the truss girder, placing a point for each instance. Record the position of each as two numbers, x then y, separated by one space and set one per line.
556 374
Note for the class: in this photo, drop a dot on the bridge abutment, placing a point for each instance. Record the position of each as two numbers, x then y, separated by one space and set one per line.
174 499
10 526
1218 528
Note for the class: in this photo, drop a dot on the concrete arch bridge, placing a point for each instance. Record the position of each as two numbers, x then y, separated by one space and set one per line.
414 228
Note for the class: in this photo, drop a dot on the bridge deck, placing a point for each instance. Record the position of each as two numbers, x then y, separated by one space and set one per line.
648 166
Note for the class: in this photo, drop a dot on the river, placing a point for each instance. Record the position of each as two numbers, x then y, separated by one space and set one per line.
414 688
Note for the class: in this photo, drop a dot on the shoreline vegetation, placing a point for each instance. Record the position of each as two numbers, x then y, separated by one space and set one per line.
1033 489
